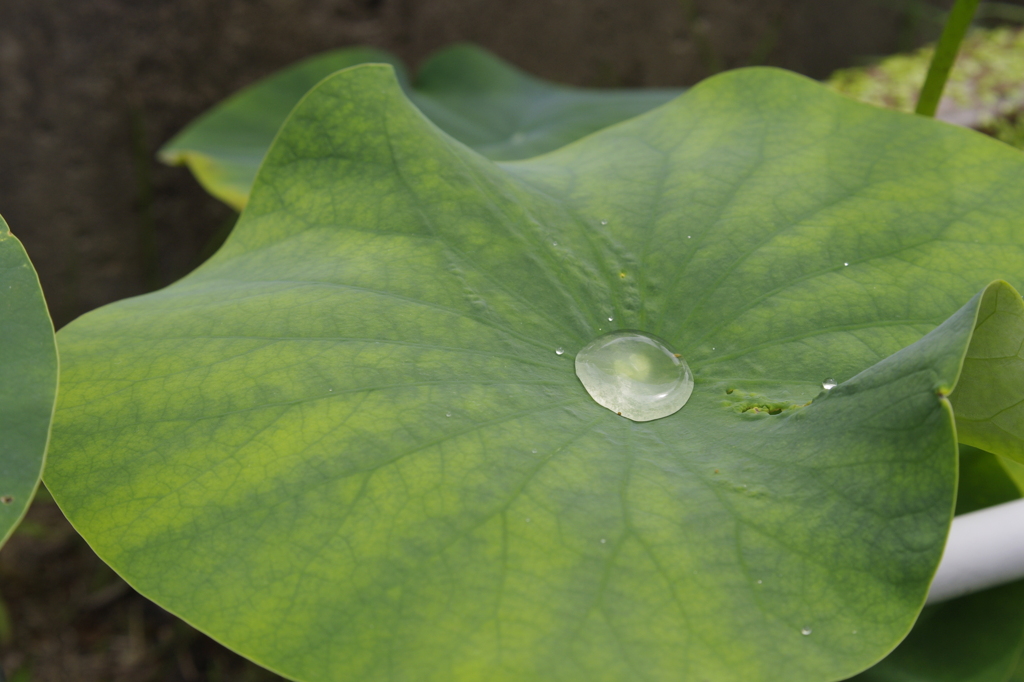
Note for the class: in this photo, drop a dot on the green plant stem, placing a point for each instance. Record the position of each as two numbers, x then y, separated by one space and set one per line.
945 54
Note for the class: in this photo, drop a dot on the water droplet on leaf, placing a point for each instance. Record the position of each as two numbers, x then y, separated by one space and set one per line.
829 384
634 374
846 265
604 222
447 414
603 541
554 243
559 350
611 319
805 631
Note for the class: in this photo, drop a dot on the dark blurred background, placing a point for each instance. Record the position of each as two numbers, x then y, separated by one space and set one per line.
89 89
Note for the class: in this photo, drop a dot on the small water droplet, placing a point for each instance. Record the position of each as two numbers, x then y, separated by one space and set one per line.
330 390
758 582
611 319
604 222
846 265
534 451
603 541
527 519
689 236
829 384
712 347
559 350
447 414
805 631
554 243
854 632
634 374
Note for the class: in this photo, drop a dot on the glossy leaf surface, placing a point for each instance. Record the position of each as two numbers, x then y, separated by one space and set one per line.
28 381
469 93
347 448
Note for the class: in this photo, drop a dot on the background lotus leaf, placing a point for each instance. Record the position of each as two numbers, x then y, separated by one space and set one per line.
28 381
345 446
468 92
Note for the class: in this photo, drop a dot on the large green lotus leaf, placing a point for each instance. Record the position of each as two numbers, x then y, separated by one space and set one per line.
28 381
976 638
345 446
472 95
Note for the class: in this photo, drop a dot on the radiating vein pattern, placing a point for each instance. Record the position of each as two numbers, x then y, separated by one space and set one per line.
346 445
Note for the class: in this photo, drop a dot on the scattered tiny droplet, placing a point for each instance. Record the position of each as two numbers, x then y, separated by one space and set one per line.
829 384
805 631
611 319
527 519
447 414
534 451
846 265
603 541
758 582
689 236
559 350
604 222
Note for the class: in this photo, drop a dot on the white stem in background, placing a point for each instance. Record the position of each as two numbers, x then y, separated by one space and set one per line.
985 548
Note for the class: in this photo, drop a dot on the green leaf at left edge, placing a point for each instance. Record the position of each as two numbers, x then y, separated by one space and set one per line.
28 381
975 638
469 93
346 448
